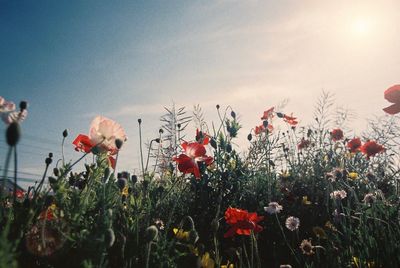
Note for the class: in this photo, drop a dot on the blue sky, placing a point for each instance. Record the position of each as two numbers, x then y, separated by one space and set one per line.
72 60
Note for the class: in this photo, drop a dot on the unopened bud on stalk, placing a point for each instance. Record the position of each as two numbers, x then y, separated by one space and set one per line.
48 161
56 172
213 143
65 133
23 105
139 121
118 143
217 106
157 140
233 114
13 134
249 137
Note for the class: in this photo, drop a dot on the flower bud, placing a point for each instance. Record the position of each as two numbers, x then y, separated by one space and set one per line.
265 123
50 155
249 137
280 115
48 161
157 140
161 131
233 114
139 121
23 105
217 106
213 143
65 133
151 234
13 134
56 172
52 180
118 143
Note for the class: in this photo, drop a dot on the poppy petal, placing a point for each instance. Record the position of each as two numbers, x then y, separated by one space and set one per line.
393 109
392 94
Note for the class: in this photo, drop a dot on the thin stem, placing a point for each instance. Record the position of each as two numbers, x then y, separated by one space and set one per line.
15 176
284 237
6 169
62 151
148 155
140 146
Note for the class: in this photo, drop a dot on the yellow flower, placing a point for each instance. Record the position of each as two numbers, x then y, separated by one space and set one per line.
125 191
305 201
206 261
353 175
228 265
181 234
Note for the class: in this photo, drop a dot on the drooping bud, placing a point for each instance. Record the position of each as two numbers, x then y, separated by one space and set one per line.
109 238
157 140
13 134
56 172
151 234
65 133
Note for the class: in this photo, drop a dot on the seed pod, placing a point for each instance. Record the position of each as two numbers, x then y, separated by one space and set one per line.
13 134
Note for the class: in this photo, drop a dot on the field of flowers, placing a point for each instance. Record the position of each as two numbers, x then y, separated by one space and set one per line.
297 196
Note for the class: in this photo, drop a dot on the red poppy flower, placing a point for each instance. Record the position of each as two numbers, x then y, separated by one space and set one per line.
303 144
19 193
194 153
371 148
242 222
392 95
268 114
337 134
354 145
83 143
290 120
259 129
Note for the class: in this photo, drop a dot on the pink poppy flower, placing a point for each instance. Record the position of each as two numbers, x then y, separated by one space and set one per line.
194 153
392 95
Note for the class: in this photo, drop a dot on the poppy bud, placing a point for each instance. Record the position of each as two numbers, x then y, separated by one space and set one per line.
229 148
179 126
13 134
109 238
233 114
65 133
118 143
249 137
23 105
122 183
213 143
134 179
157 140
48 161
52 180
139 121
280 115
50 155
217 106
265 123
161 131
56 172
151 234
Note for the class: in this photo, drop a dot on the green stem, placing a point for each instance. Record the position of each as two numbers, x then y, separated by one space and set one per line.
6 170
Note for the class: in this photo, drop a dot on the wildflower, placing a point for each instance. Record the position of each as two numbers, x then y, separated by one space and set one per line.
228 265
306 247
242 222
292 223
20 193
352 175
338 195
392 95
103 134
303 144
371 148
8 111
194 153
268 114
369 198
207 261
354 145
305 200
290 120
181 234
337 134
319 232
273 208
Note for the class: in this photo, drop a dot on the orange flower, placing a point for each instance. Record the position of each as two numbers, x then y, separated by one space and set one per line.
242 222
371 148
392 95
337 134
354 145
268 114
290 120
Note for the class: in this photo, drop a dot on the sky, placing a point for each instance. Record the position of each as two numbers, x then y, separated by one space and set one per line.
73 60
